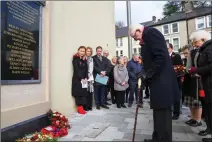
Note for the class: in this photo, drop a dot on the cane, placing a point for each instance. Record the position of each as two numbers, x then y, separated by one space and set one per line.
136 115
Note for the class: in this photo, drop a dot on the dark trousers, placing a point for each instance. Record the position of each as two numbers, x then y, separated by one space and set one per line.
113 95
147 90
162 125
107 90
133 90
207 107
89 103
120 97
99 94
80 100
177 105
127 93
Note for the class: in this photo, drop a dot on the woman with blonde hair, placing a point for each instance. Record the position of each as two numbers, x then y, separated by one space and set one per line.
111 80
202 68
90 89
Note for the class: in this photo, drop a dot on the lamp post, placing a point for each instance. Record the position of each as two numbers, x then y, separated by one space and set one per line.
128 5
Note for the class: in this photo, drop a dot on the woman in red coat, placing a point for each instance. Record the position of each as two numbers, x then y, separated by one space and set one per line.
80 75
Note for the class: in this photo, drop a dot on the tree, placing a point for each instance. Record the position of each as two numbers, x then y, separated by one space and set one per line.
172 7
120 24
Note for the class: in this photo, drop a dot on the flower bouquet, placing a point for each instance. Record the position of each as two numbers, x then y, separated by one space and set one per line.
54 131
180 70
39 137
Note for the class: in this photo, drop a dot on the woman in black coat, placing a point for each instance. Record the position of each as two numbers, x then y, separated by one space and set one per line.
203 40
111 81
80 75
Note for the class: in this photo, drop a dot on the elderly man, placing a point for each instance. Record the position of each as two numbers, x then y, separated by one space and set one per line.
133 68
160 76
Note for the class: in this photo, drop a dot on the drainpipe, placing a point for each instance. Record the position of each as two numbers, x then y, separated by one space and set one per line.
128 5
187 31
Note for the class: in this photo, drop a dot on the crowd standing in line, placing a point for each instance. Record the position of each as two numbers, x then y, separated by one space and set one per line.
152 71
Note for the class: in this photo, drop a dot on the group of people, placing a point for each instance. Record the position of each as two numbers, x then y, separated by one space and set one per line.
123 76
170 87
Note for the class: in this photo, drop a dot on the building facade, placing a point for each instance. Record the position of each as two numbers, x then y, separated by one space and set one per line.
65 25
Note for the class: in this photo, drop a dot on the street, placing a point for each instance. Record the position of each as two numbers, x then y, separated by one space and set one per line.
117 125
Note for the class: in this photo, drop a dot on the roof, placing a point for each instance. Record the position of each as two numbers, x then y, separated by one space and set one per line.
179 16
123 32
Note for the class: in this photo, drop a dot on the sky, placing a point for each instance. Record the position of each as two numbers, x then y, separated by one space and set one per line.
141 11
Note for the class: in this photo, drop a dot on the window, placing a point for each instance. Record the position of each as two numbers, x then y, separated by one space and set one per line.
121 52
117 42
165 29
139 50
209 21
176 43
121 42
167 40
200 23
175 28
134 50
117 53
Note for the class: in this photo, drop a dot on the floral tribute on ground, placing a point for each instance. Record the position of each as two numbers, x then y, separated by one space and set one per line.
58 128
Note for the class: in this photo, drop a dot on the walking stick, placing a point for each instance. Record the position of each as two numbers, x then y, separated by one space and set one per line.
136 115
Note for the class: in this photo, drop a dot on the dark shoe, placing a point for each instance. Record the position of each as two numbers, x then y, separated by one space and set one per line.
107 103
204 133
98 107
129 105
123 106
86 109
104 106
90 109
118 106
175 117
113 101
146 97
190 121
207 139
196 124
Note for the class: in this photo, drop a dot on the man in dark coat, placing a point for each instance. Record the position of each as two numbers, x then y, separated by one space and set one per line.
160 77
176 60
133 68
100 67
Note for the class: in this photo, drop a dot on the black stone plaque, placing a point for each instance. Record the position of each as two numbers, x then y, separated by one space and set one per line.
20 42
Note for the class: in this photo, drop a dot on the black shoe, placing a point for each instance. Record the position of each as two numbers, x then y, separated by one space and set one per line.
86 109
146 97
98 107
104 106
90 109
190 121
123 106
196 124
113 101
207 139
204 133
175 117
129 105
118 106
107 103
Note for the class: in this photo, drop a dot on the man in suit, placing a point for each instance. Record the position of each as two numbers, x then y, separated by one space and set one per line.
160 77
100 67
176 60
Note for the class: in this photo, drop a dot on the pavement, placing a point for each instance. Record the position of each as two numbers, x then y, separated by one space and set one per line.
116 124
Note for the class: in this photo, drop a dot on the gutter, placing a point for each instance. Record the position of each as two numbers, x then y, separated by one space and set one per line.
187 32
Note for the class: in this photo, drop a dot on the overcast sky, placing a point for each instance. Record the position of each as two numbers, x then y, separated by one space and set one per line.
141 11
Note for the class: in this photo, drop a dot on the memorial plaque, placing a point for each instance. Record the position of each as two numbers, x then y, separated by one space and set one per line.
20 42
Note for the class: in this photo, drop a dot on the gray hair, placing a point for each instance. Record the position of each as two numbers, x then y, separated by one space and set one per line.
200 35
105 51
134 28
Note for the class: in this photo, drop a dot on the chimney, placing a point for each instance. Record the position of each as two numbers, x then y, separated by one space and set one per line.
188 6
154 18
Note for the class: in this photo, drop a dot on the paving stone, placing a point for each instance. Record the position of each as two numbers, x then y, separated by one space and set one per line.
179 137
138 137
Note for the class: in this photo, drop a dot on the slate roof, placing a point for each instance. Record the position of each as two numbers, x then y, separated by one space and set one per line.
179 16
123 32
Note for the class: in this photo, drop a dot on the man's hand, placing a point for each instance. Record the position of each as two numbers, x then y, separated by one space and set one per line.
192 70
103 73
